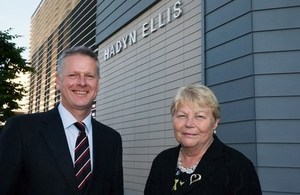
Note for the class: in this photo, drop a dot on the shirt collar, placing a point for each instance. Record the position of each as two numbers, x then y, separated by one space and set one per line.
68 119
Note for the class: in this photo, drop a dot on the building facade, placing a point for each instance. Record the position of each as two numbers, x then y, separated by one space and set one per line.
247 52
142 65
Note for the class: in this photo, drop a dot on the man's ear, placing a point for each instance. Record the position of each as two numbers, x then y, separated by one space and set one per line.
57 82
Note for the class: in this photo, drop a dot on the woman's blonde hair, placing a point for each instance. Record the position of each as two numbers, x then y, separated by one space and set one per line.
196 95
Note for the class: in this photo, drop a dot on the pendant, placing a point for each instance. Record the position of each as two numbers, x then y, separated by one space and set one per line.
194 178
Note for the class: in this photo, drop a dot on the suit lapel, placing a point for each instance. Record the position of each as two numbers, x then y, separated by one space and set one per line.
170 169
55 138
95 153
98 151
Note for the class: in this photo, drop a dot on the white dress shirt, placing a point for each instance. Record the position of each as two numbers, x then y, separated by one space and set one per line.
71 131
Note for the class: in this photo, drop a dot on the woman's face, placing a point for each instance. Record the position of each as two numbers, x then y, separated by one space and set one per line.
194 128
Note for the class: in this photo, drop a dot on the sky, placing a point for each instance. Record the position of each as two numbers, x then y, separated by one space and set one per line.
16 14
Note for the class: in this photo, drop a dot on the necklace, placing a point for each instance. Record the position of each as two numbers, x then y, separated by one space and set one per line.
191 169
188 170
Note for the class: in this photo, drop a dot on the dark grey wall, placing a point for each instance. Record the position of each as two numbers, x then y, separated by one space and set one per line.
252 55
112 15
229 70
276 30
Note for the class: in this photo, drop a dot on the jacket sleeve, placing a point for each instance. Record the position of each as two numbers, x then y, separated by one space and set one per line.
10 157
118 188
153 184
246 181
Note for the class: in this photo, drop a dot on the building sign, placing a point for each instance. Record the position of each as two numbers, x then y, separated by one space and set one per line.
161 20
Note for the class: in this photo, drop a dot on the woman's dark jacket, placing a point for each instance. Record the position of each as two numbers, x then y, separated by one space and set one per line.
221 171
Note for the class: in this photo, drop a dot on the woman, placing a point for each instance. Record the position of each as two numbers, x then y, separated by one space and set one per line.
201 163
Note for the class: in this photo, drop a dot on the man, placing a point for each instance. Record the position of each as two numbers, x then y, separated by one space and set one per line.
39 153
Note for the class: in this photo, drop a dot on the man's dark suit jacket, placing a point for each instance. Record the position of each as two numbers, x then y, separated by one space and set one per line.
35 158
223 170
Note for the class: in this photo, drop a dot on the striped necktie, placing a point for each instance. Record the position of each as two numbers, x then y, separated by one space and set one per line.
82 158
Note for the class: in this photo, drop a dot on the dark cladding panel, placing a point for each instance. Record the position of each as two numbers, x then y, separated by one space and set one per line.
113 15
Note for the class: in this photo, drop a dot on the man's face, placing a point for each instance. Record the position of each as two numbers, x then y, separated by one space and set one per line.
78 83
